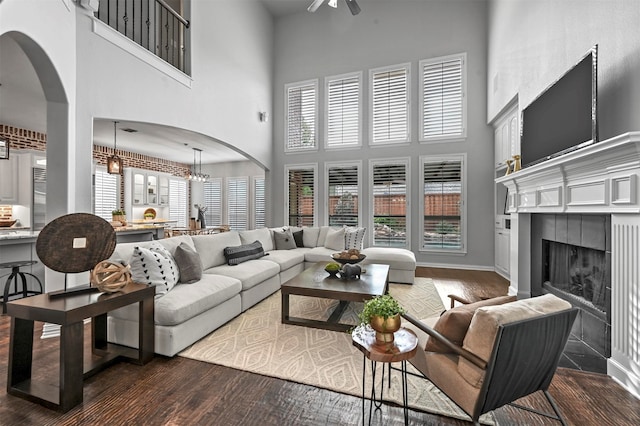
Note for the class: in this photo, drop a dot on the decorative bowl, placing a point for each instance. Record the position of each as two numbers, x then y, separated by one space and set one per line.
7 223
343 261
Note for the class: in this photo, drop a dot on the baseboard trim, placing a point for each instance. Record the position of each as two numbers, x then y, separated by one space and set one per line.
453 266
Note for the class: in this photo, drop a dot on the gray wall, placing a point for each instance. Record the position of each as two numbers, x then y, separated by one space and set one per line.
532 43
331 42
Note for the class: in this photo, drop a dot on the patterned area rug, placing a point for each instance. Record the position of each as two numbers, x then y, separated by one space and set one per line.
258 342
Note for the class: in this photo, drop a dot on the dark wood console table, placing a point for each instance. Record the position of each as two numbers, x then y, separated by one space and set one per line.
69 312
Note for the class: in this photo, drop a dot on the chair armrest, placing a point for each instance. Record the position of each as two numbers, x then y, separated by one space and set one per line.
458 350
459 299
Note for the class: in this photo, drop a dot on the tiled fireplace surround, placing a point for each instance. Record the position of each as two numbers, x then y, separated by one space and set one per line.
601 179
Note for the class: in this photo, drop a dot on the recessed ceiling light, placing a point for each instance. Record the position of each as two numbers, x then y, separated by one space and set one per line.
129 130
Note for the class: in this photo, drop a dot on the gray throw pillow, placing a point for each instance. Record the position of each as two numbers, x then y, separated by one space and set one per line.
284 240
235 255
189 263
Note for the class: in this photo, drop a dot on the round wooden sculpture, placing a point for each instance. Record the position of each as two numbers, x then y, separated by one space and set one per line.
75 242
109 277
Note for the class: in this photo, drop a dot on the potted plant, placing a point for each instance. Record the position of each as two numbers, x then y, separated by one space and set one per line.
119 215
149 216
382 313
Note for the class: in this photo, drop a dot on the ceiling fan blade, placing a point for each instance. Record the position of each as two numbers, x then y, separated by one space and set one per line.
315 5
353 6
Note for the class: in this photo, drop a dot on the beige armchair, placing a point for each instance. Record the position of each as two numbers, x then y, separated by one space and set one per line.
490 353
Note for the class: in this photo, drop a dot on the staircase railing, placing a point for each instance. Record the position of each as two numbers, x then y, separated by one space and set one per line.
152 24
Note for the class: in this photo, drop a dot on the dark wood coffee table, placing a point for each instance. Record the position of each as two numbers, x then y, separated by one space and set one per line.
70 312
315 282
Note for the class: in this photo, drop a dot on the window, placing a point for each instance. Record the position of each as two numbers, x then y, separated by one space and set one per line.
343 181
442 90
301 115
389 104
301 194
390 203
178 202
213 202
443 203
259 220
343 110
237 203
106 193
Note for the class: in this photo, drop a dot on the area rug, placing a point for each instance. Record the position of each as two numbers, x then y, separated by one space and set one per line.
258 342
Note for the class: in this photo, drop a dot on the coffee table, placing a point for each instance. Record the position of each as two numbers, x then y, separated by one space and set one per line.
316 282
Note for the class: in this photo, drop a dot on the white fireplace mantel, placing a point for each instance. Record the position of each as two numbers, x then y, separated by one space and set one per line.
600 178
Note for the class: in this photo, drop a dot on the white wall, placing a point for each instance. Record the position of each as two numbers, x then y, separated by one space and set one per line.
532 43
331 41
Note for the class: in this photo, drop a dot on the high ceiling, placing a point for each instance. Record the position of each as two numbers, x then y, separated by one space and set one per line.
280 8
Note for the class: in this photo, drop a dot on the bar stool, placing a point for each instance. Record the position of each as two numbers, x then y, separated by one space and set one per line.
15 273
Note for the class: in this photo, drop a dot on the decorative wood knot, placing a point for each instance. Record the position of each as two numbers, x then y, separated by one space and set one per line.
110 277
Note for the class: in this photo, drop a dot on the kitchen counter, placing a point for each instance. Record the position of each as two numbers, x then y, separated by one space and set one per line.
20 235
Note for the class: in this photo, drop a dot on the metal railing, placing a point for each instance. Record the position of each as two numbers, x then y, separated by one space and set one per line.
153 24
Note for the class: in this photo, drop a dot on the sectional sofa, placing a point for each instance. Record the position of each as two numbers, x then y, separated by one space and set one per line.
188 312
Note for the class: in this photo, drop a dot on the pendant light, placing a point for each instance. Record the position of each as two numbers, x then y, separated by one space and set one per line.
196 174
114 163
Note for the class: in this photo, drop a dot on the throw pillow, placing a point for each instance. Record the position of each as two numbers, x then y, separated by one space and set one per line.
154 266
335 239
284 240
454 323
189 263
353 237
297 236
310 236
238 254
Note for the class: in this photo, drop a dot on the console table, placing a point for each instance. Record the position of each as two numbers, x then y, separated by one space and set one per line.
69 312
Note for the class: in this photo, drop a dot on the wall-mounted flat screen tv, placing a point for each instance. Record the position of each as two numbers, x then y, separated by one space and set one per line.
563 118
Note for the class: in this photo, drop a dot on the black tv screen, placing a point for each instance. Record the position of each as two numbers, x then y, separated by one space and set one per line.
564 117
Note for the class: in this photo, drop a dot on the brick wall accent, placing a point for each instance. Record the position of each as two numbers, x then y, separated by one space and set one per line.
29 139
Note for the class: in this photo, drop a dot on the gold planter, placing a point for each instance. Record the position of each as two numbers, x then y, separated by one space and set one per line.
385 327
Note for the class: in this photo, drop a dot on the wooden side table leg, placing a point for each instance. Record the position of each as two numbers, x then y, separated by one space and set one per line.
20 352
71 365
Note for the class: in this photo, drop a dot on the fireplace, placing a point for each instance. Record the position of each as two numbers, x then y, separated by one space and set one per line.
569 258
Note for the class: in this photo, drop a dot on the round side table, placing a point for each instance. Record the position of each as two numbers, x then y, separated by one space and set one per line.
402 348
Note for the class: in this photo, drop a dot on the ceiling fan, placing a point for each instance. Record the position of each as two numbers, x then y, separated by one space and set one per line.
353 6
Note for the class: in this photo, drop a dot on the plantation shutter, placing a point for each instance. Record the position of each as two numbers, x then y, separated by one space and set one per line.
343 111
442 102
301 116
343 196
106 192
301 197
390 205
178 202
237 203
213 202
442 204
390 106
259 203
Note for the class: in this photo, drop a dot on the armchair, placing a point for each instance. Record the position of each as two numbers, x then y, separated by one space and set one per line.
510 350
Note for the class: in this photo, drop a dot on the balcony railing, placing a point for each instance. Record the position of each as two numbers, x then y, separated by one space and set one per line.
152 24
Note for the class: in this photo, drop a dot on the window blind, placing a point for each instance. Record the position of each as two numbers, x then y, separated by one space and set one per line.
259 203
301 116
390 205
237 203
213 202
301 197
390 105
442 100
343 111
442 204
178 202
106 193
343 195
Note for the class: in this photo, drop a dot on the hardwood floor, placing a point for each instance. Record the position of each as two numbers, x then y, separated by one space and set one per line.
179 391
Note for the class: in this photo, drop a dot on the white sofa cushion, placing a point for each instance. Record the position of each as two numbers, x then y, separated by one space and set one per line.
396 258
287 258
211 247
250 273
335 239
310 236
263 235
124 251
318 254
